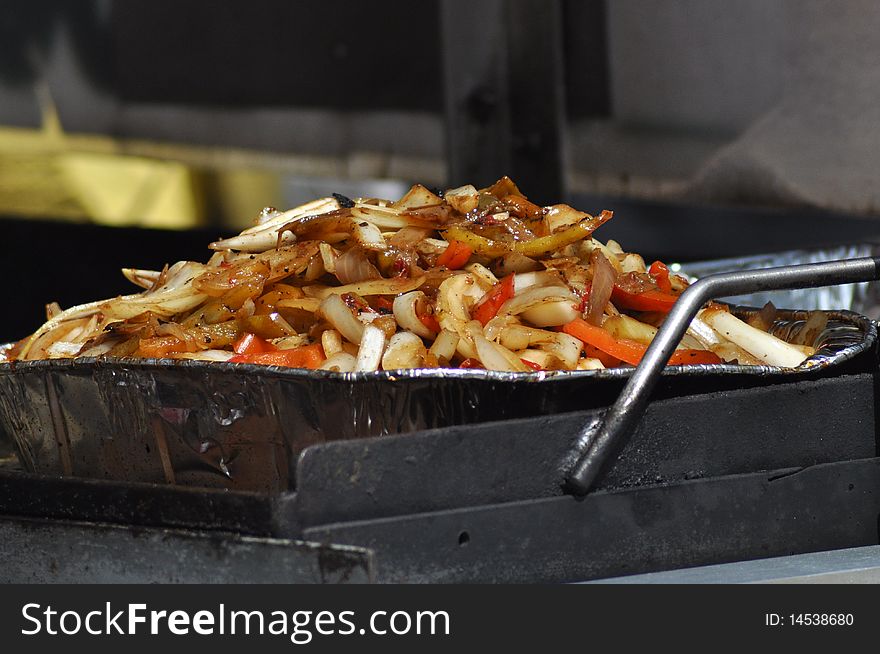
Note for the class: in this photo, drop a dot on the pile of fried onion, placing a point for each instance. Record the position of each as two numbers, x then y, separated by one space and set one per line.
467 278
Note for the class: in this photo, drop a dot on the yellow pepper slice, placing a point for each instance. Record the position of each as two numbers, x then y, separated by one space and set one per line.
535 247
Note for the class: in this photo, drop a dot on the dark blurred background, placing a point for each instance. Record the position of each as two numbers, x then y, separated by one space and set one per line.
132 133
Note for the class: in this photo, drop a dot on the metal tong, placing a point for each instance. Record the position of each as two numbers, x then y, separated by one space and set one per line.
599 441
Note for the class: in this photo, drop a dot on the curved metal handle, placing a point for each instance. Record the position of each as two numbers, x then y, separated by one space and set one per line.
598 441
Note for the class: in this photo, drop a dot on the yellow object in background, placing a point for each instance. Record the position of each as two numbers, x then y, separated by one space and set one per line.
50 174
123 190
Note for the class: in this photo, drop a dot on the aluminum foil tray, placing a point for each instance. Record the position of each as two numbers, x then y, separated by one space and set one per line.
243 426
863 297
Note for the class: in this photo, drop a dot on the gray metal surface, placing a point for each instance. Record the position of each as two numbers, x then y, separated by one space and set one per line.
629 531
600 439
696 436
856 565
41 551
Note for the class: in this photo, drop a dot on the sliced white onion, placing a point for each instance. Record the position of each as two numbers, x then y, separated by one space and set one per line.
611 255
496 357
247 309
626 327
52 310
522 281
632 263
338 314
82 333
703 332
614 246
590 364
408 238
405 313
543 306
533 296
688 342
405 350
205 355
372 348
560 216
142 278
315 269
368 235
552 314
279 218
174 296
290 342
264 236
353 266
604 276
331 342
730 352
445 344
340 362
482 274
566 348
463 199
63 349
388 218
455 297
393 286
492 329
545 360
766 347
514 262
304 303
432 246
417 196
56 326
516 337
100 349
329 255
465 346
318 291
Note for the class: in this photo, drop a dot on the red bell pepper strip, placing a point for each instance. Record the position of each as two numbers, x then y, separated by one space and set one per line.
531 364
252 344
649 300
630 351
660 273
308 356
595 353
455 256
623 349
487 307
693 357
